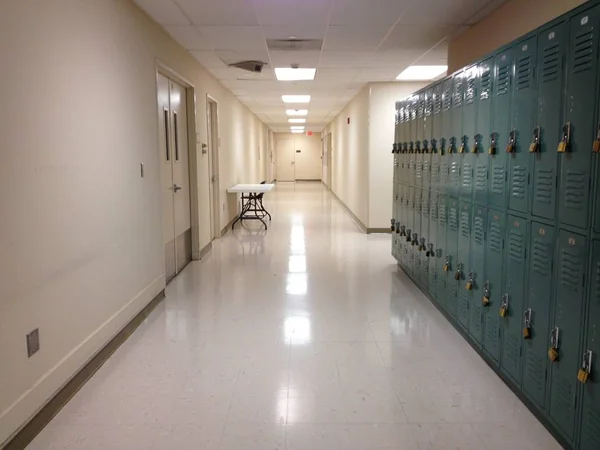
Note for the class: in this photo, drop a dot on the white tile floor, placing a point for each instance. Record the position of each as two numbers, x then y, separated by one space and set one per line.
302 337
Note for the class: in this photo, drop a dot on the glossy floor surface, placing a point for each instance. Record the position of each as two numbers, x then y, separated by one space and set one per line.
305 336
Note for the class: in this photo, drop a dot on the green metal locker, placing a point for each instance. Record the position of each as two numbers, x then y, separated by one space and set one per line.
484 130
469 143
463 264
521 133
566 327
420 111
417 220
410 227
476 273
513 297
402 219
404 127
590 414
492 284
451 255
442 255
582 68
426 143
458 89
551 50
436 138
447 143
536 316
424 237
432 244
497 188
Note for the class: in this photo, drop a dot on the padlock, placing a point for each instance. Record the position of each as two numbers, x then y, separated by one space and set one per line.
534 147
476 144
586 367
446 266
457 275
553 354
562 147
469 285
462 146
504 306
526 333
596 145
503 311
565 142
485 300
553 351
527 325
583 376
511 147
492 149
393 224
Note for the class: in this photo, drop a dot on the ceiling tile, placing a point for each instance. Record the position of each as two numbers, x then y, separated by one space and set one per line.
416 36
286 58
165 12
209 59
372 12
277 12
221 12
351 37
345 59
232 56
189 37
299 30
234 37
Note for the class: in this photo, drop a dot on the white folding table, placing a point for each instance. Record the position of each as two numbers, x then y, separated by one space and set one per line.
251 200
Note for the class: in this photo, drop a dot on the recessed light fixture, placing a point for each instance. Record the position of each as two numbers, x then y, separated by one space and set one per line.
290 74
295 98
297 128
296 112
419 73
297 131
297 120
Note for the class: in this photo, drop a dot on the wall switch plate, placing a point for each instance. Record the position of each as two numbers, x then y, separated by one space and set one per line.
33 342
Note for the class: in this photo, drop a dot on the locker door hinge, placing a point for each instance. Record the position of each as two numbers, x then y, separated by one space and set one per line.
528 178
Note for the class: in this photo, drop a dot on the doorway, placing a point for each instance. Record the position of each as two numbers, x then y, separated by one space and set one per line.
329 160
286 160
213 155
175 175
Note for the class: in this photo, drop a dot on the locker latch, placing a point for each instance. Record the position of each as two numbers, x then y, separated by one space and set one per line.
425 146
458 273
586 367
476 143
493 144
415 239
470 282
553 352
596 146
430 251
463 145
433 146
393 221
527 325
451 145
442 145
504 306
411 147
402 230
408 235
512 142
564 145
447 265
486 294
397 227
418 147
422 244
395 148
534 147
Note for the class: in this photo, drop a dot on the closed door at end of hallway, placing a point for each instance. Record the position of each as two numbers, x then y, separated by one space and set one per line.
286 160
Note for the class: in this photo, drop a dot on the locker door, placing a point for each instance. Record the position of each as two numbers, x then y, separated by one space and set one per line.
436 137
442 255
410 204
525 54
551 56
567 323
514 290
463 264
433 244
419 132
476 274
417 231
535 349
424 237
484 130
581 91
590 417
468 138
452 255
494 271
395 214
455 140
403 218
426 144
400 147
503 67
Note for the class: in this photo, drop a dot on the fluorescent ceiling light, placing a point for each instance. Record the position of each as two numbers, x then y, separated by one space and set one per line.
295 98
296 112
297 131
297 128
297 120
418 73
289 74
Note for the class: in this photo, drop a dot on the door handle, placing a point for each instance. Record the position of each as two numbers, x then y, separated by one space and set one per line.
176 188
213 179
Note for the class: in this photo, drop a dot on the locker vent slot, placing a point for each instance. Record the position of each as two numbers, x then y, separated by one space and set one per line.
437 104
429 106
486 83
495 238
426 168
516 242
470 92
447 100
419 170
541 257
571 269
442 217
582 54
434 210
421 109
519 181
498 179
455 173
425 206
503 77
591 437
463 305
444 173
453 218
524 73
458 94
544 186
550 63
464 224
435 172
480 178
466 176
536 371
575 184
478 230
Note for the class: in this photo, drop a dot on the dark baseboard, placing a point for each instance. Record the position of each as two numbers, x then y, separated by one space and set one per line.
312 180
378 231
356 220
24 437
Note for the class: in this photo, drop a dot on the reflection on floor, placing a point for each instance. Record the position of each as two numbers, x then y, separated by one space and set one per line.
305 336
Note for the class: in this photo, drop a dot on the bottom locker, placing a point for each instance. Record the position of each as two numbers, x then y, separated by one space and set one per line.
463 265
451 256
424 239
443 264
476 274
432 243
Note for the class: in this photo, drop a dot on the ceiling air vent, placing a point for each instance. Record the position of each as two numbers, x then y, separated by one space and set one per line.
250 66
294 44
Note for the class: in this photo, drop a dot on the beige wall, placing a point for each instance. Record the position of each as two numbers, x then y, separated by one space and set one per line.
80 230
308 161
350 155
510 21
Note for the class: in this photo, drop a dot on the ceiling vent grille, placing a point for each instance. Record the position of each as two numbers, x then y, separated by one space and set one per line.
294 44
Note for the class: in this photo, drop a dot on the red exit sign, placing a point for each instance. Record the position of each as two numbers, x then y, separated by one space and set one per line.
309 133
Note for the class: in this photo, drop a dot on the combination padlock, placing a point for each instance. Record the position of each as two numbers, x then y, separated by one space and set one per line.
402 230
422 244
408 235
415 239
586 367
430 251
393 222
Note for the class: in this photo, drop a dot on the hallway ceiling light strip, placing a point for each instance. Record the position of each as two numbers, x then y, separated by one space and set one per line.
294 74
297 120
295 98
296 112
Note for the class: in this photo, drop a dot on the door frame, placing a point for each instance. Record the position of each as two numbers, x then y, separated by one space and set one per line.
212 127
277 141
190 90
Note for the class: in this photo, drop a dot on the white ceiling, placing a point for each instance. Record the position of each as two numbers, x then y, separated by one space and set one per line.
363 41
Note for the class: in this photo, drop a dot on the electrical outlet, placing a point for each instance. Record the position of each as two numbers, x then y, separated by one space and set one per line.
33 342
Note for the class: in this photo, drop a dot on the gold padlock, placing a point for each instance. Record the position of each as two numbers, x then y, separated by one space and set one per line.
562 147
462 148
503 311
485 301
583 376
596 146
457 275
469 285
553 354
510 148
526 333
446 267
534 147
492 150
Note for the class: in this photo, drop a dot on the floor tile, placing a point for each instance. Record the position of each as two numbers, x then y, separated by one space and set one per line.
314 437
253 437
447 437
